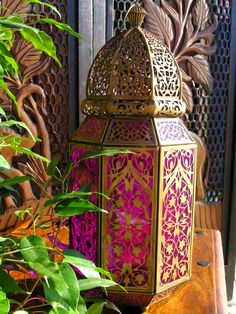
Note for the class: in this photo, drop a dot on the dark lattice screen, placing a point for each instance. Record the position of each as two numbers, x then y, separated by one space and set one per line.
55 82
208 119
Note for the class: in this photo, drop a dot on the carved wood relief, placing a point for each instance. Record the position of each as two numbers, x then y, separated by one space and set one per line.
31 110
187 30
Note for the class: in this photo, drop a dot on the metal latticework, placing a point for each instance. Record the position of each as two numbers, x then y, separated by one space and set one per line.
121 7
55 83
208 118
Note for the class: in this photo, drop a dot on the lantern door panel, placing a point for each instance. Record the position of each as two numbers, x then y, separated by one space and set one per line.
176 203
129 229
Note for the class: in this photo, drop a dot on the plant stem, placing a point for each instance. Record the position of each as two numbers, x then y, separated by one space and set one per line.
30 293
17 261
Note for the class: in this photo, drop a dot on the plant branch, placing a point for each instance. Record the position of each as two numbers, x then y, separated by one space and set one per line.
30 293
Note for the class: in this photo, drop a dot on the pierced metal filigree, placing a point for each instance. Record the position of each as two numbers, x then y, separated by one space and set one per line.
134 73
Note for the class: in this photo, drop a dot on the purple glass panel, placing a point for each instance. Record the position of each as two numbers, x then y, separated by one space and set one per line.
128 227
84 227
172 131
177 214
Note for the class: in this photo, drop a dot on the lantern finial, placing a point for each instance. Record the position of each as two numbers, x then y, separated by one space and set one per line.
136 14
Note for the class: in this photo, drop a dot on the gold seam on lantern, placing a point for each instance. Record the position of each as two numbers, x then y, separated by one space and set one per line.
153 242
162 287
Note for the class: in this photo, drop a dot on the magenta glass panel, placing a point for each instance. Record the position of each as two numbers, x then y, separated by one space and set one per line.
84 227
138 131
171 131
128 228
177 214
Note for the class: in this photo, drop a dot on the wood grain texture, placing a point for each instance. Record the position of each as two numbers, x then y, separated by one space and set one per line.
205 293
208 216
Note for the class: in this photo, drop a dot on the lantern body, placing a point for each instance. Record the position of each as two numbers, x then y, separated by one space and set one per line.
134 101
145 240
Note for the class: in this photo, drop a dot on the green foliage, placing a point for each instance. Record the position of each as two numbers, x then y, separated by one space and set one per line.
4 302
62 290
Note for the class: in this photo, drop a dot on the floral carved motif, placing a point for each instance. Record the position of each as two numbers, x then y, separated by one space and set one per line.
185 27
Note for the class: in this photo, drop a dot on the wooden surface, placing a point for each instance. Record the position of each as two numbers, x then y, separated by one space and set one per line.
205 293
208 216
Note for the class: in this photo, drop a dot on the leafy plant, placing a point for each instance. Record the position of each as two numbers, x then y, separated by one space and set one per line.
185 27
13 25
52 267
46 266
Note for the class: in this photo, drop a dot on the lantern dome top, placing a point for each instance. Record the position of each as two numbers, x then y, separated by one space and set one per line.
134 74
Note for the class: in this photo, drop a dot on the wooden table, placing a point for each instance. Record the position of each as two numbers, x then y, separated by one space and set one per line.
205 293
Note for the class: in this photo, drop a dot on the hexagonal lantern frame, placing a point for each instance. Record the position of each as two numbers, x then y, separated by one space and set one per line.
134 100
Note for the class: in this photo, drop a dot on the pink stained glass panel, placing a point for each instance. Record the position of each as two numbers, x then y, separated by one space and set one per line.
128 228
84 227
177 214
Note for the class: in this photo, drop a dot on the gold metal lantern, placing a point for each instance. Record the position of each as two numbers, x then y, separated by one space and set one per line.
134 101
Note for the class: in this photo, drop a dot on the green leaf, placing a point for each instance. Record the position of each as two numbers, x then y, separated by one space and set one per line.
8 284
8 239
91 283
27 151
45 4
62 279
96 308
4 303
41 41
4 165
13 181
8 56
54 299
71 195
4 86
81 307
52 167
75 206
87 268
108 304
21 124
33 249
22 213
62 26
2 113
105 152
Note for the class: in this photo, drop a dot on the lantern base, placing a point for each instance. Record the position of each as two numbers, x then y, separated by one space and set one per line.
135 299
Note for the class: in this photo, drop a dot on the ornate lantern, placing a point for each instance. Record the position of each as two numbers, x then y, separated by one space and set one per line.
134 101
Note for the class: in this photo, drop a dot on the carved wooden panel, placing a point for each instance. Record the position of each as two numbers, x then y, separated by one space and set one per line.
55 83
42 96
